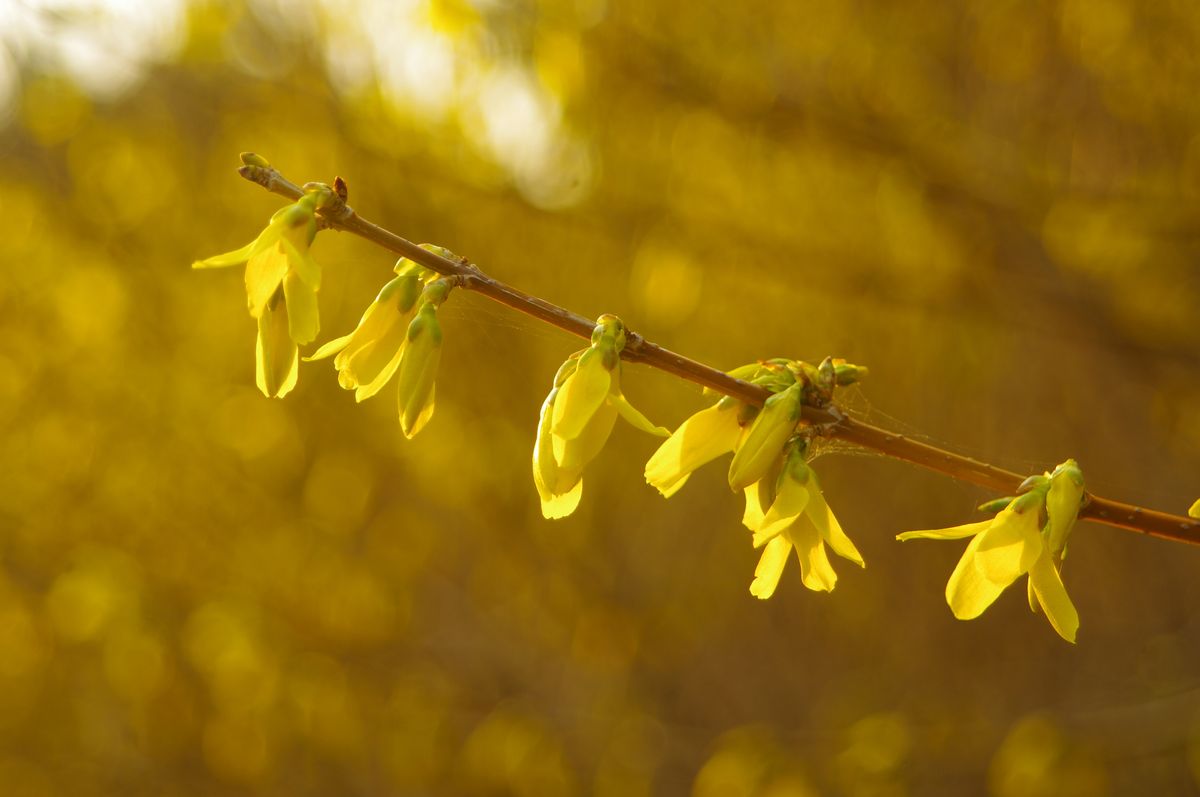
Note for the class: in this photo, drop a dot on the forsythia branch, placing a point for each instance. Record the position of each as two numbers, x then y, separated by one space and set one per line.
830 422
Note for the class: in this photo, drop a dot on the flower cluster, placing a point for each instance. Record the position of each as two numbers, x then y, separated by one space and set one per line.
578 416
785 508
282 281
398 333
1028 535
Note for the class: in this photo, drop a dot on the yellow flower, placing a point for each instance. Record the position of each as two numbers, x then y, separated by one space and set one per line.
1195 510
396 334
282 281
578 416
1028 536
797 517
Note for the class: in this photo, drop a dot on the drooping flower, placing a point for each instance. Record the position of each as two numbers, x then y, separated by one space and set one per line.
1027 536
784 505
578 415
398 333
282 281
798 518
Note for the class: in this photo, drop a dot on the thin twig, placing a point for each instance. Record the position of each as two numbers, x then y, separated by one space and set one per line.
833 422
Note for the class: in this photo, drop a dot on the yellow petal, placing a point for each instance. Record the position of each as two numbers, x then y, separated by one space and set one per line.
369 363
582 394
1010 546
303 320
968 592
822 517
545 469
555 507
1195 510
790 501
1031 595
770 568
329 348
234 258
815 569
701 438
634 416
276 355
301 263
579 451
754 513
264 273
952 533
764 442
1052 596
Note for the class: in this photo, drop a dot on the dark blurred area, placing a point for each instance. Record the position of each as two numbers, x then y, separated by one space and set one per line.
993 205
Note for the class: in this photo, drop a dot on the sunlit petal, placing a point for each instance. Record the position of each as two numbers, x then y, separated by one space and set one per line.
770 568
1052 595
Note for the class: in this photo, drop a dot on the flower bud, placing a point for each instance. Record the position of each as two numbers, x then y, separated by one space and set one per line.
766 438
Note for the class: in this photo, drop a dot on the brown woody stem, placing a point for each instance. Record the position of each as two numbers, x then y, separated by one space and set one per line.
833 423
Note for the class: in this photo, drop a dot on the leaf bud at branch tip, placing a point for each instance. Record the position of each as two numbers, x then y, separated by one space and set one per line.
251 159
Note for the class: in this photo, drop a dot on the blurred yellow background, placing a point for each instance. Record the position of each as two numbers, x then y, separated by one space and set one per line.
993 205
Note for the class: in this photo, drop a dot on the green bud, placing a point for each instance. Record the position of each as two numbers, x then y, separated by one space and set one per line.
1032 482
436 292
250 159
996 505
1063 500
322 194
826 375
609 331
848 374
764 442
